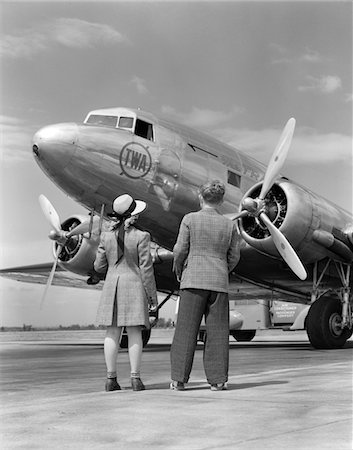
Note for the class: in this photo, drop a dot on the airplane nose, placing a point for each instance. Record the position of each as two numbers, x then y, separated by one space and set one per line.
55 145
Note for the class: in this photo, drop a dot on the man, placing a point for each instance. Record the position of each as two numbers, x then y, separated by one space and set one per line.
207 249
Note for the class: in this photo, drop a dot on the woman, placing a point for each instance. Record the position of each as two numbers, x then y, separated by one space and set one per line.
124 255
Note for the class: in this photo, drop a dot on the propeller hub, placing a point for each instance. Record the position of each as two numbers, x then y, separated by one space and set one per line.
57 236
254 206
53 235
250 205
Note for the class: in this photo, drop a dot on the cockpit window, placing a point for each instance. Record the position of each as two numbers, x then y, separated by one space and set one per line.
144 129
126 122
104 121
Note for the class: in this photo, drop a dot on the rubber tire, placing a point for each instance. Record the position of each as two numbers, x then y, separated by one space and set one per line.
124 342
243 335
323 314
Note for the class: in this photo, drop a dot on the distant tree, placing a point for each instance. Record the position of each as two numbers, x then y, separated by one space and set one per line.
161 322
169 323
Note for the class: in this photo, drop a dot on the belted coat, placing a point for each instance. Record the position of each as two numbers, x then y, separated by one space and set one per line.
130 282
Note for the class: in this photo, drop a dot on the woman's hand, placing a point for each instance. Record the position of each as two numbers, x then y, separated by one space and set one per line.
153 307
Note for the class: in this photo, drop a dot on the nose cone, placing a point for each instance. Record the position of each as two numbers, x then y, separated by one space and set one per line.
55 145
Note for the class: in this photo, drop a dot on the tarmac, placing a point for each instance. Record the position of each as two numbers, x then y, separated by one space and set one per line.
281 393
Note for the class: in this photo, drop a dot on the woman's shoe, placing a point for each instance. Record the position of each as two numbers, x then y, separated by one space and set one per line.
177 386
137 384
112 385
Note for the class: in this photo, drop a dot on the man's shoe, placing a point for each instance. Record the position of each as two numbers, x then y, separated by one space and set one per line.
112 385
177 386
137 384
219 387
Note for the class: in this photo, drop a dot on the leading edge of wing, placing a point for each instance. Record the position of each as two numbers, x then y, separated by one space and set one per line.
38 274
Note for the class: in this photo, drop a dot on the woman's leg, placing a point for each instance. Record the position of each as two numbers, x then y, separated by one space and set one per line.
135 355
135 349
111 348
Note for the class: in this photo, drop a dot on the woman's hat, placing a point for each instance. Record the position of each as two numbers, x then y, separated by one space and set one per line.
126 206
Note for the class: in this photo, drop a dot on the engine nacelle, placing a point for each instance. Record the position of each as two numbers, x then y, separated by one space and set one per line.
298 213
79 252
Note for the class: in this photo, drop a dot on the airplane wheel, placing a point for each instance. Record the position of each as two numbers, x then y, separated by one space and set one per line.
323 324
243 335
124 342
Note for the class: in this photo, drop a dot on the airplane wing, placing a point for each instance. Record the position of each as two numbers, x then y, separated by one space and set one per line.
39 273
240 288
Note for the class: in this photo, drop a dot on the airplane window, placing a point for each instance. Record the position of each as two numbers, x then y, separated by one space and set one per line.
126 122
234 178
144 129
102 121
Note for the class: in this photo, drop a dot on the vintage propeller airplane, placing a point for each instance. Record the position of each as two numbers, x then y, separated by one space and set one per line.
119 150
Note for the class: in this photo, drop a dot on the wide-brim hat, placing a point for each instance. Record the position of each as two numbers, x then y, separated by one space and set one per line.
126 206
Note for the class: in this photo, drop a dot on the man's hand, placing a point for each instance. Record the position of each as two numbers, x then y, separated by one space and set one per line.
93 279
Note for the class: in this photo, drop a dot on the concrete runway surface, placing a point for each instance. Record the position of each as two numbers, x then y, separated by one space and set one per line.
282 394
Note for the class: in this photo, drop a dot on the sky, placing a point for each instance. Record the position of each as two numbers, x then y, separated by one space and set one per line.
237 70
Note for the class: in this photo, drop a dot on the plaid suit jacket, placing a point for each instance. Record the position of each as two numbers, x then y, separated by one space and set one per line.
206 250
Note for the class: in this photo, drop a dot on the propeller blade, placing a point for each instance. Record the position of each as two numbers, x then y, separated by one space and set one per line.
51 276
50 213
285 249
80 229
243 213
278 157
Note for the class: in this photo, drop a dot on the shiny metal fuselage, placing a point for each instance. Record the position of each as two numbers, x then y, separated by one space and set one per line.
94 164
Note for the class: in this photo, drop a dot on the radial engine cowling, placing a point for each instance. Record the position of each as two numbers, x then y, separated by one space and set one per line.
79 252
297 212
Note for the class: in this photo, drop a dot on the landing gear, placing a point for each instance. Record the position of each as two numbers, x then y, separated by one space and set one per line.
243 335
329 322
324 324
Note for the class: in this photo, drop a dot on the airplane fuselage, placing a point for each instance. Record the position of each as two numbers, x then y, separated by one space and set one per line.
93 164
122 150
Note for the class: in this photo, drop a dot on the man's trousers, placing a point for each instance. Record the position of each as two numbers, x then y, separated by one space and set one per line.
194 303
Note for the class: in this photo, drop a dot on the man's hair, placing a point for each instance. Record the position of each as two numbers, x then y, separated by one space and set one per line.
213 191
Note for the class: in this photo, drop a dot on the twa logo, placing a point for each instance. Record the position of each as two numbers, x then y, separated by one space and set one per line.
135 160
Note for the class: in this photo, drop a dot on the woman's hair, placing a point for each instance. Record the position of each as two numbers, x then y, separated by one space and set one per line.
127 223
213 192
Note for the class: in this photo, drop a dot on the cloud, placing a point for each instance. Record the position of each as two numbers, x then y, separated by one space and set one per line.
67 32
308 145
16 138
201 118
283 57
349 98
140 85
311 56
325 84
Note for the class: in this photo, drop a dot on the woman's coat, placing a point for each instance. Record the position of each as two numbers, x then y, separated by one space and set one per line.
131 281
